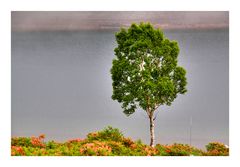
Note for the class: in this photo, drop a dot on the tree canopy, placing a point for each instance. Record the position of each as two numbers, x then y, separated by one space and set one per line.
145 71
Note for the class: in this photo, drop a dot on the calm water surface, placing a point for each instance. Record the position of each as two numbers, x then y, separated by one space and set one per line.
61 86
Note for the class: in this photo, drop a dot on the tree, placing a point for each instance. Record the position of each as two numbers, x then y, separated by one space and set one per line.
145 73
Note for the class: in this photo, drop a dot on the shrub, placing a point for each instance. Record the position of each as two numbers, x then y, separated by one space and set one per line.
28 141
17 151
52 145
162 150
21 141
95 148
108 134
127 142
217 149
118 148
38 141
177 150
108 142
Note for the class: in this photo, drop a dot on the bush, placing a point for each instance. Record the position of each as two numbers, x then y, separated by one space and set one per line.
162 150
118 148
217 149
52 145
95 148
180 150
108 142
108 134
21 141
177 150
17 151
28 141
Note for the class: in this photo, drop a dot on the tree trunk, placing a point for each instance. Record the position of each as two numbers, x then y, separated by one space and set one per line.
152 131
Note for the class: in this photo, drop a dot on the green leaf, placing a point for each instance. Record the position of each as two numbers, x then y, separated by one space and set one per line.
145 71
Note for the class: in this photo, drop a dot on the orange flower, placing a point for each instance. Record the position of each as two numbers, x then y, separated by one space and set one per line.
74 140
15 150
168 150
42 136
36 141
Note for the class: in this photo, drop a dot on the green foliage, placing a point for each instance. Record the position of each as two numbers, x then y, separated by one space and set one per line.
114 145
28 141
178 150
145 71
107 134
21 141
216 148
162 150
95 148
51 145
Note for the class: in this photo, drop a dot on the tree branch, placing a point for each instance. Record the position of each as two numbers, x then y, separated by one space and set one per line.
156 107
155 115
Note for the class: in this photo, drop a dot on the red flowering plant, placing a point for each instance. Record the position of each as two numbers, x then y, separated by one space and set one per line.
150 151
95 148
118 148
108 142
162 150
75 140
38 141
17 151
128 142
28 142
177 150
217 149
126 148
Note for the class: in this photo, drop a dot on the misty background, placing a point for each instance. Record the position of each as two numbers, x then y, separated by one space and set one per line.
61 82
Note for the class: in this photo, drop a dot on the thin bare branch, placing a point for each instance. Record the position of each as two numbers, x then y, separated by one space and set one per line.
156 114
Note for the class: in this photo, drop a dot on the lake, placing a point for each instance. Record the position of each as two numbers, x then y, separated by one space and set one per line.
61 86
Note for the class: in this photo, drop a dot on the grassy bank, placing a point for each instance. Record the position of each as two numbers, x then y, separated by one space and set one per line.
108 142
